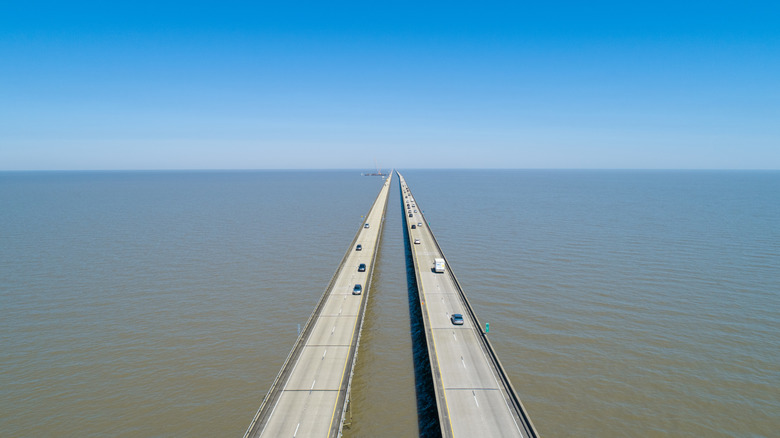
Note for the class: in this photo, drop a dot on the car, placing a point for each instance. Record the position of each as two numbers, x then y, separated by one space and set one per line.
359 247
419 224
411 215
362 267
357 290
457 319
416 241
414 226
415 211
366 225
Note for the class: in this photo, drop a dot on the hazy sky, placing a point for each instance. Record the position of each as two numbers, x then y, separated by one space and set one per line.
331 84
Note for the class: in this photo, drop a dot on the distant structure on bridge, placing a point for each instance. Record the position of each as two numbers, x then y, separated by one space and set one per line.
377 173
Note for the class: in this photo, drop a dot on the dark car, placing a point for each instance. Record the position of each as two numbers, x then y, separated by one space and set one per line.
358 289
457 319
359 248
414 227
411 215
362 267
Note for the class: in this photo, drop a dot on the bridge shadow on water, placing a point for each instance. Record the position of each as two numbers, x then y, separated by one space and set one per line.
427 414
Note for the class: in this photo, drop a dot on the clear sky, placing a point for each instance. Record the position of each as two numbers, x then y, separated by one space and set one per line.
339 84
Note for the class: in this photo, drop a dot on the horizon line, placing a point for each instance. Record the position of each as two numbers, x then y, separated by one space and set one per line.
357 169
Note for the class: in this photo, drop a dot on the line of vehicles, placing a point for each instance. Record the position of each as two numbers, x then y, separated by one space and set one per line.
439 265
409 206
358 289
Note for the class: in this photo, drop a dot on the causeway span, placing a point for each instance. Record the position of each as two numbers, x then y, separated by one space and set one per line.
310 395
474 396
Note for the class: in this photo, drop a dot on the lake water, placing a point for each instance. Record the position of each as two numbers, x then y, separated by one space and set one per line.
622 303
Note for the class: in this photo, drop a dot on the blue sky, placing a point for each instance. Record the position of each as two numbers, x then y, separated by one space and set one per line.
250 85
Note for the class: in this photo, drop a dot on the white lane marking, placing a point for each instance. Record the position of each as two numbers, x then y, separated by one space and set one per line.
315 381
296 430
326 352
333 330
461 360
475 398
455 337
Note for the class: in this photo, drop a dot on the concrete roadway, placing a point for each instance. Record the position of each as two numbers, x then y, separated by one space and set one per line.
471 399
309 396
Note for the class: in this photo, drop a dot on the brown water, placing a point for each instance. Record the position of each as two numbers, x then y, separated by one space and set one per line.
163 304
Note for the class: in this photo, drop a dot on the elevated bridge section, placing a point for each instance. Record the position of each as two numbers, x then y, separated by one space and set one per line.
473 393
310 394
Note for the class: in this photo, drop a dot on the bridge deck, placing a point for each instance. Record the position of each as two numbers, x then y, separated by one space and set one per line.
474 395
310 394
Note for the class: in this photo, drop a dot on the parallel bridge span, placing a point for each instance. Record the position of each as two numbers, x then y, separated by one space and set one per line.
310 394
473 393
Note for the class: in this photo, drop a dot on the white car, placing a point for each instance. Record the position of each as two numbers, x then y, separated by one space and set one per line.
416 241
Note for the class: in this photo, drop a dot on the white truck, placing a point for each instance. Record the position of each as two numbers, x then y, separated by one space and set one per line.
438 265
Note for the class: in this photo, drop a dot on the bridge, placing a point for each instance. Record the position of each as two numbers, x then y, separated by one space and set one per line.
474 395
310 394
